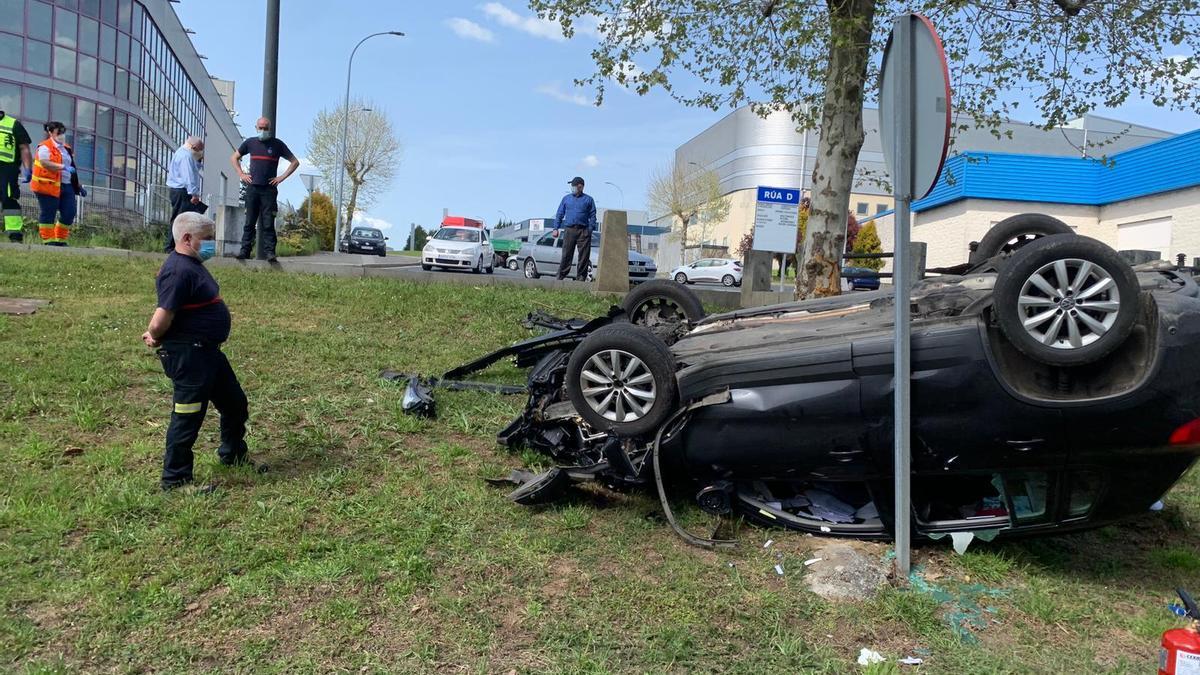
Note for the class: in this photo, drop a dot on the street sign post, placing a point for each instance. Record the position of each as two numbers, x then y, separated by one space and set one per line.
775 217
914 127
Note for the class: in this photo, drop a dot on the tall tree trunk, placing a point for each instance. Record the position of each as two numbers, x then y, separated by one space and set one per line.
683 239
851 21
352 205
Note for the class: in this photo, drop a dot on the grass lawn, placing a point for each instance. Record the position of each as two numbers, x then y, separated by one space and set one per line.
374 545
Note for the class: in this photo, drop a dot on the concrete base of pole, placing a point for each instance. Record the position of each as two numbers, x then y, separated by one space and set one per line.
613 275
756 275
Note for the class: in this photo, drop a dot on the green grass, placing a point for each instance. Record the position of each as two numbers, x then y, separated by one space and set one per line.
373 544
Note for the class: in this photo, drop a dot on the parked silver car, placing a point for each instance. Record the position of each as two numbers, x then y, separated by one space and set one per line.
543 255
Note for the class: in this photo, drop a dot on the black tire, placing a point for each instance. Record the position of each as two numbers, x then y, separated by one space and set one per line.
426 267
662 301
1010 234
653 358
382 254
531 271
478 266
490 269
681 278
1076 329
727 280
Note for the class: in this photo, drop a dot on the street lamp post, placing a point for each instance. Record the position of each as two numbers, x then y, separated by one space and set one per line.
619 191
337 232
309 180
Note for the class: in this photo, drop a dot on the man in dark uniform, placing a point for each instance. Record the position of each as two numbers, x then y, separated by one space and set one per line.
187 330
261 192
14 155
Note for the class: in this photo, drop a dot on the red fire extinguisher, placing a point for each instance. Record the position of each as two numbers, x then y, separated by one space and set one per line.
1180 654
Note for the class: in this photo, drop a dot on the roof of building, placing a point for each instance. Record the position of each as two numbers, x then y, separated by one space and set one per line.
1162 166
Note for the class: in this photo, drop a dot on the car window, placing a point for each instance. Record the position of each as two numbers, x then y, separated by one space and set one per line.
368 234
457 234
546 240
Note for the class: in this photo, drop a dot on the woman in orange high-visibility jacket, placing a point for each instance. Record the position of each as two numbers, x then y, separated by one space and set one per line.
55 184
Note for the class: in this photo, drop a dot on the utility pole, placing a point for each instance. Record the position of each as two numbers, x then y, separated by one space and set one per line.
271 65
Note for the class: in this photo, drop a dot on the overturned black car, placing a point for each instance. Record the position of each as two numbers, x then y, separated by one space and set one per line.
1054 388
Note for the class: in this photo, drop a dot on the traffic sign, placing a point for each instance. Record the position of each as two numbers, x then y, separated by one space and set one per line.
775 219
928 102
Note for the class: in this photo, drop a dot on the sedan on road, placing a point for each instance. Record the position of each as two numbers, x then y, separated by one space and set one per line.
861 278
724 271
543 255
459 247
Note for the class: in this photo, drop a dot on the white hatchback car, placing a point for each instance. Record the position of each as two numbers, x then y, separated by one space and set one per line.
459 248
722 271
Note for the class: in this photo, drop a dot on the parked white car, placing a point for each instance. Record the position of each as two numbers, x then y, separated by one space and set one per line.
722 271
458 248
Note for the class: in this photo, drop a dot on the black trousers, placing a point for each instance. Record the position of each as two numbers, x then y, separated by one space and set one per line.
201 374
10 193
181 202
576 237
261 206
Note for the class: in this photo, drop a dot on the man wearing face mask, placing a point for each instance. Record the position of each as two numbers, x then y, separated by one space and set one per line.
577 212
265 151
187 329
183 182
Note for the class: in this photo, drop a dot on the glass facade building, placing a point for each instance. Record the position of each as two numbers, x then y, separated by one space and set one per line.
109 72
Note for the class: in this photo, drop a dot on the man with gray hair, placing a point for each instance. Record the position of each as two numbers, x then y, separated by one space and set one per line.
183 182
186 330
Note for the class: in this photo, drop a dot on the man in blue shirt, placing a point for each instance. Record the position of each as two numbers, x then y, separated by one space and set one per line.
183 183
577 212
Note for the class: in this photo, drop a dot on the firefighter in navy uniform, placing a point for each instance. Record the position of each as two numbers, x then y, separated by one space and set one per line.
16 163
187 330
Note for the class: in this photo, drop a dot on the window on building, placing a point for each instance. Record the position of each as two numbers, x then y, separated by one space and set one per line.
12 15
66 28
87 71
69 4
90 7
85 115
124 12
108 44
64 64
37 57
10 98
62 109
89 35
12 50
880 208
107 78
108 12
36 108
40 21
861 208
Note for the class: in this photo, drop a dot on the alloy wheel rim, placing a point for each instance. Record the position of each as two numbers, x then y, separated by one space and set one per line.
529 270
1069 303
618 385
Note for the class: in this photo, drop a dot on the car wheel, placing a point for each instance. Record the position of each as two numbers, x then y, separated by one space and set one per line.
727 280
681 278
382 254
621 379
1066 300
531 271
478 266
490 269
513 264
661 301
426 267
1013 232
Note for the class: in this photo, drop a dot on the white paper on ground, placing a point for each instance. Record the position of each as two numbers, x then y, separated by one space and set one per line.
868 656
961 541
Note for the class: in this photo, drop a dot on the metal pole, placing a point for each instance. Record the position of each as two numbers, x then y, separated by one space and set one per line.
619 191
337 230
271 64
902 368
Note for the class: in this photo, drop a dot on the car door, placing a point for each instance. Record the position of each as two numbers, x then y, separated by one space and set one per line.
547 252
704 270
486 244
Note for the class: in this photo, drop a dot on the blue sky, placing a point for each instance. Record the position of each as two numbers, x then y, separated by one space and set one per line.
481 95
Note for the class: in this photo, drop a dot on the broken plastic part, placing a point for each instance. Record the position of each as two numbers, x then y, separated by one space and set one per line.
543 488
418 398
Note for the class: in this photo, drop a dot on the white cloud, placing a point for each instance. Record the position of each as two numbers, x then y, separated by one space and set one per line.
362 218
555 91
469 30
525 23
591 161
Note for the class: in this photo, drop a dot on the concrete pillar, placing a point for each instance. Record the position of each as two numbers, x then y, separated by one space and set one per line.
756 275
613 275
916 257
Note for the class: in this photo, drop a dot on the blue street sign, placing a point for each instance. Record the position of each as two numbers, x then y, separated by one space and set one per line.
778 195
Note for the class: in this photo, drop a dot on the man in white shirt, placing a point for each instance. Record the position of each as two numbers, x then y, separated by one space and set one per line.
183 183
